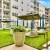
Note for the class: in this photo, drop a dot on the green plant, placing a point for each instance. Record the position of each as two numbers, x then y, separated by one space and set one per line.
4 29
30 30
19 29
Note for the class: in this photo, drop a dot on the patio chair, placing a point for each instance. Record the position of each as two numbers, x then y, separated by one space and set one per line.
32 34
40 30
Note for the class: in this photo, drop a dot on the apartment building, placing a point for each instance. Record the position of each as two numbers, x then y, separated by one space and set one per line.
10 9
47 12
5 13
21 7
38 9
49 17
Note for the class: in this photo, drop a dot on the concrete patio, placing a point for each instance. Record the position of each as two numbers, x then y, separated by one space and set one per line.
13 47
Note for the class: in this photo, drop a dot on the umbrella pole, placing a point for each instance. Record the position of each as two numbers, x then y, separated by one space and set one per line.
40 22
27 23
32 25
23 22
17 21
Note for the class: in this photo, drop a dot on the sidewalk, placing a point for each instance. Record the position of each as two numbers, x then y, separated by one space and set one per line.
13 47
45 46
47 49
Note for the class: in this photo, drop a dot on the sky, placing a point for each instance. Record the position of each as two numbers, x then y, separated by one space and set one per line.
46 3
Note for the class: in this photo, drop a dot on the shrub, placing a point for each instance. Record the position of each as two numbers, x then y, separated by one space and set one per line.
19 29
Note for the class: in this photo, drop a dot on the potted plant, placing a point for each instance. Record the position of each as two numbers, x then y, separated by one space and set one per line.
19 35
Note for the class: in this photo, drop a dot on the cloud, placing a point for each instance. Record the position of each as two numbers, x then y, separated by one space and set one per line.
42 2
47 4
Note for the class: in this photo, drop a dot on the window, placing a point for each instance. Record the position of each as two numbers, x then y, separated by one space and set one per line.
42 11
4 6
27 11
5 14
16 0
22 2
31 6
47 20
46 16
22 9
27 4
14 14
32 1
15 7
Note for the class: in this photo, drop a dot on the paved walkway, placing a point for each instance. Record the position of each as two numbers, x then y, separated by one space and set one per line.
13 47
47 49
48 46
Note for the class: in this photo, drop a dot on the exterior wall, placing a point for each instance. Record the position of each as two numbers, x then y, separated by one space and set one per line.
36 7
41 9
23 8
4 12
49 17
47 12
10 9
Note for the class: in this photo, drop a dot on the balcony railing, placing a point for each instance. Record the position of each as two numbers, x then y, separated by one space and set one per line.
0 16
0 5
46 11
6 9
6 16
0 0
7 0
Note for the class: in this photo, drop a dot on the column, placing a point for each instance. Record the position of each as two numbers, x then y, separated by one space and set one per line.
32 25
42 21
23 22
17 21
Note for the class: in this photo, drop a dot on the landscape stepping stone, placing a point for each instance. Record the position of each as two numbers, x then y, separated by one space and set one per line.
45 45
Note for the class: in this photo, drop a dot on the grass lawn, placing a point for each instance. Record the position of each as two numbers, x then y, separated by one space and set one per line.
7 39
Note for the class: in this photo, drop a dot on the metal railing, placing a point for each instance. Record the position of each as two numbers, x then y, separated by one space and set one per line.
6 8
0 16
0 5
6 0
6 16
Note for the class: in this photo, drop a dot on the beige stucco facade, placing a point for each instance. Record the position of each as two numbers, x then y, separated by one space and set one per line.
10 9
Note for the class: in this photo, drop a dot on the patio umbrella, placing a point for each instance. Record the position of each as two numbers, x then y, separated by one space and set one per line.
30 17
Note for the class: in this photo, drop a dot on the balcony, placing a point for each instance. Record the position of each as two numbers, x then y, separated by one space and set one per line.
7 9
0 7
6 1
35 6
6 17
35 3
0 17
46 11
0 0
